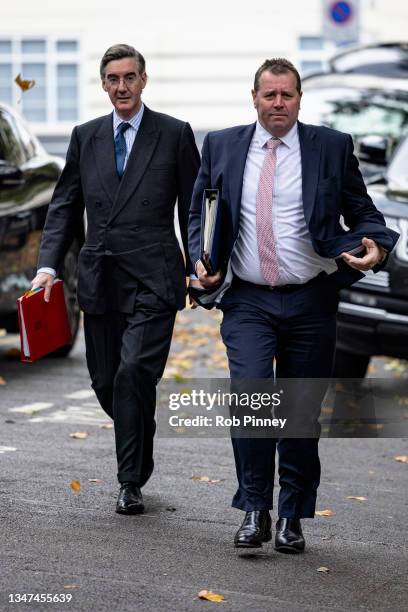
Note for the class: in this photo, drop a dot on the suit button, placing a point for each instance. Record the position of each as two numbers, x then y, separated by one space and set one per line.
108 252
145 202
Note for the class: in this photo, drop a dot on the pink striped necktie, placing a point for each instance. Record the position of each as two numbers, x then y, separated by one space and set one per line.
264 229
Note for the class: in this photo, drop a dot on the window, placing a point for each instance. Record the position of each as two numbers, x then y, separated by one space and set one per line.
310 66
33 46
67 78
34 100
310 43
5 46
6 80
54 65
67 46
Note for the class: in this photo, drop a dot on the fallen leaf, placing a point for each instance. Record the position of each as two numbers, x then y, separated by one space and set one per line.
13 353
206 479
356 497
401 458
71 586
107 426
323 569
2 381
75 486
24 84
325 513
79 435
327 410
210 596
375 426
9 421
95 480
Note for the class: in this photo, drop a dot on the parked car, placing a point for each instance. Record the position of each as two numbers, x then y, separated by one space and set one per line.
374 110
388 59
27 179
373 313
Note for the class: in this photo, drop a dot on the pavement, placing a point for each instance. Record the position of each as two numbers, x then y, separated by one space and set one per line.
58 541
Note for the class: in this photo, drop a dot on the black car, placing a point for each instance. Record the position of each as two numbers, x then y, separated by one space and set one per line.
373 313
27 179
373 109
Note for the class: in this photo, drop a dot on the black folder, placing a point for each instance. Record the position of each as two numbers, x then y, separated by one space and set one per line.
210 230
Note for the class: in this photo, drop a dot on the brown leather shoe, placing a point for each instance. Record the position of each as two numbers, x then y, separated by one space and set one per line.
130 500
255 529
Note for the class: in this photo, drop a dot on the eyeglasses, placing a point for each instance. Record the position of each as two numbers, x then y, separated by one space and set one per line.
129 79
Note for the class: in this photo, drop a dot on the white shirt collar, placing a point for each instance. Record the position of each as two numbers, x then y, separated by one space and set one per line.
134 121
263 135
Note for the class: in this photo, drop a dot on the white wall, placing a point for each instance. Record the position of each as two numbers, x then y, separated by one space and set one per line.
201 56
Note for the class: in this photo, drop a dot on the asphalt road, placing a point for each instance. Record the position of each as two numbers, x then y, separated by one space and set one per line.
57 541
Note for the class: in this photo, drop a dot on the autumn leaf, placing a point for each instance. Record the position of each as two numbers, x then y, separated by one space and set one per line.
323 569
71 586
210 596
75 486
206 479
79 435
401 458
356 497
95 480
13 353
2 381
325 513
327 410
24 84
107 426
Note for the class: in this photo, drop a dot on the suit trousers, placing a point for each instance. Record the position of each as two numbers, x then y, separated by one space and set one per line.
295 327
126 356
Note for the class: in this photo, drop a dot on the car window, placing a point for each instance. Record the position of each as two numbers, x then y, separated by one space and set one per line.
10 146
357 112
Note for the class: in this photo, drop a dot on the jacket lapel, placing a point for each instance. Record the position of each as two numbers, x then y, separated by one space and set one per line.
104 151
236 166
310 149
143 148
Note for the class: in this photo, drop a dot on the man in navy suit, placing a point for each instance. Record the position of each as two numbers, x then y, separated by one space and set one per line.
285 253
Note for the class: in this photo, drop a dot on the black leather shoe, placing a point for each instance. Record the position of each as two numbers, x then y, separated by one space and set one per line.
289 537
130 500
255 529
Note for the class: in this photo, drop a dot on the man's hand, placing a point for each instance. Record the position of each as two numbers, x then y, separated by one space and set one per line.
43 280
207 281
374 255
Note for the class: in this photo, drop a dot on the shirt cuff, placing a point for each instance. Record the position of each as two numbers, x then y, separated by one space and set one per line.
47 271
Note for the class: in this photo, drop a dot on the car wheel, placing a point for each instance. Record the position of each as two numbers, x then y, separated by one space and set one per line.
350 365
69 275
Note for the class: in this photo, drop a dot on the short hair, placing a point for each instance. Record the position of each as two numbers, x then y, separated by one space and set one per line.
277 65
117 52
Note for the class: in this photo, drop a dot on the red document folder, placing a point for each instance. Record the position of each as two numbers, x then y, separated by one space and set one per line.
44 326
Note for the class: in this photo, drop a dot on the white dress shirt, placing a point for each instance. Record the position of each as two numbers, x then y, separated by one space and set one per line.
130 135
297 259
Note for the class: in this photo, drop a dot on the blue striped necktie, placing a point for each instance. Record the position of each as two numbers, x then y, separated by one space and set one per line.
120 148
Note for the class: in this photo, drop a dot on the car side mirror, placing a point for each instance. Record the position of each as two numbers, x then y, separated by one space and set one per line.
374 149
10 174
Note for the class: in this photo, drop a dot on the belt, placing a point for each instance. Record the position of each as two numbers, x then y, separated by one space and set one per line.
281 288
